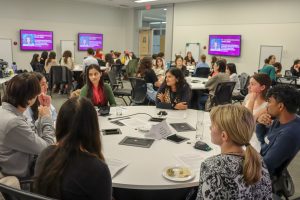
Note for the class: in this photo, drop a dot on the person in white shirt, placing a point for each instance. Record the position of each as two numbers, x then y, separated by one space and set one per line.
90 59
67 60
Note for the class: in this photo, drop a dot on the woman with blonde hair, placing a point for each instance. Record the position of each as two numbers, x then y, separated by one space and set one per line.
238 172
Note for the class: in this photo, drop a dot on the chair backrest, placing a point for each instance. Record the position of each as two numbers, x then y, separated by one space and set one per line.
139 90
202 72
10 193
112 75
292 81
288 73
101 62
60 74
223 93
244 81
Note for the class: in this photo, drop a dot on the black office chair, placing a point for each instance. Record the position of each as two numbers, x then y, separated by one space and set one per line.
244 82
282 183
116 87
10 193
288 73
223 93
292 81
58 75
139 91
202 72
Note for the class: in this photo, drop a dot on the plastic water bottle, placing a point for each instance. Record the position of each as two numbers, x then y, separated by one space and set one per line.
14 67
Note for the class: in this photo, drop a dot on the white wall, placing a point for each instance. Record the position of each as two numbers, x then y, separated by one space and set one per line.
65 19
260 22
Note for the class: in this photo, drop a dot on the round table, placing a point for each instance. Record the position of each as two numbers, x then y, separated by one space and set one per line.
146 165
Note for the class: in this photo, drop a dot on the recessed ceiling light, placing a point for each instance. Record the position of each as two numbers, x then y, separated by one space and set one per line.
165 9
143 1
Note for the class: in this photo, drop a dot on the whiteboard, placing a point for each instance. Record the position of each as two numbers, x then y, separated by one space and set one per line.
194 48
266 51
68 45
6 50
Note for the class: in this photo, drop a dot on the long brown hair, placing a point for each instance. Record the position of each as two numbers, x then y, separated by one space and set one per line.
263 79
81 135
238 122
52 56
145 65
67 54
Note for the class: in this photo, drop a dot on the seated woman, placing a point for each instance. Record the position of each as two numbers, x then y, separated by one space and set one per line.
159 68
32 112
269 69
238 172
211 84
19 140
74 168
174 93
256 101
189 60
95 89
146 72
231 71
179 64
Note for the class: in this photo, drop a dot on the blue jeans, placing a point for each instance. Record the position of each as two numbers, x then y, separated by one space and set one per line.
202 101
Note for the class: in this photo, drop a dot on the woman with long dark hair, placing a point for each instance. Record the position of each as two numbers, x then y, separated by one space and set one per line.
67 60
51 61
35 61
74 168
95 89
32 112
44 57
174 93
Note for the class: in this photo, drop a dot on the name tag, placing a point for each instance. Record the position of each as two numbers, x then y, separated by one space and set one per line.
267 140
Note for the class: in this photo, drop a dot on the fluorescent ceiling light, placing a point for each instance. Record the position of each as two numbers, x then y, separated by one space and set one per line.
143 1
165 9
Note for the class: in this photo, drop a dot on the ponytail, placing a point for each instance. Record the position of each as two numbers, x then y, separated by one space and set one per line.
252 165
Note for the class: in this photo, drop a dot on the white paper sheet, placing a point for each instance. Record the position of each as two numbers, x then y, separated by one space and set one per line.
135 123
115 165
159 131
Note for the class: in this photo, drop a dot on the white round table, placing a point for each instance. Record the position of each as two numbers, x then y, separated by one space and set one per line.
196 83
146 164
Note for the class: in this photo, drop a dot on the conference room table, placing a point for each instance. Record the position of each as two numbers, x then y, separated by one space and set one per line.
142 178
198 89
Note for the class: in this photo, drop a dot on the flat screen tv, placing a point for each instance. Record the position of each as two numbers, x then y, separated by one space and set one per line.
90 40
224 45
33 40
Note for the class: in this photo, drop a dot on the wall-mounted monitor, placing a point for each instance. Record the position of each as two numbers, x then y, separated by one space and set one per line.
33 40
224 45
90 40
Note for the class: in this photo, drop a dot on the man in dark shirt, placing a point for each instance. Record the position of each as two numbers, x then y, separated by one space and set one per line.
279 138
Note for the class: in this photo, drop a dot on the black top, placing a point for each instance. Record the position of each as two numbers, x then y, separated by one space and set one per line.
86 177
192 60
294 72
150 77
172 98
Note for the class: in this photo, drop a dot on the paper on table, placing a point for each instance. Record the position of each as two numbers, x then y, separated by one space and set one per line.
134 123
192 160
115 165
159 131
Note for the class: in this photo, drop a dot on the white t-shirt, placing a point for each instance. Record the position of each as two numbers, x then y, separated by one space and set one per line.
89 61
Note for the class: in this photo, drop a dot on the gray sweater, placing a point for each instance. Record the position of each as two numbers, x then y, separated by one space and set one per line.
20 140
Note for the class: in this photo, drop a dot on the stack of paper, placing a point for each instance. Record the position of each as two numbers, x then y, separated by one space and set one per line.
115 165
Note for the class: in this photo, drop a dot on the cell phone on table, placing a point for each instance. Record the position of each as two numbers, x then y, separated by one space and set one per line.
115 131
176 138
